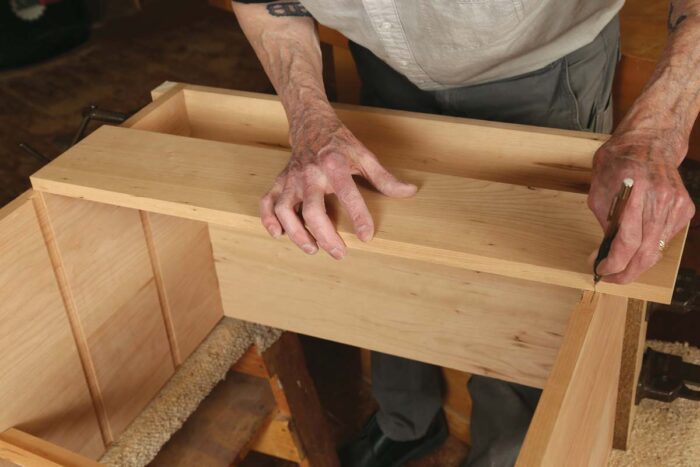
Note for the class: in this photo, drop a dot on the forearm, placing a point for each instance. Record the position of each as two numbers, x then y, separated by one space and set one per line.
670 101
284 38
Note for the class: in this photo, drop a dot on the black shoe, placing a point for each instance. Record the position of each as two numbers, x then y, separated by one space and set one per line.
372 448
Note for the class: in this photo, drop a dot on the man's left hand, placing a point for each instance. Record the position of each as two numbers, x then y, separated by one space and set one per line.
658 208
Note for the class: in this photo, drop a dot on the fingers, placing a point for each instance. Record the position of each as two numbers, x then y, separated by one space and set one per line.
382 180
627 240
318 223
351 199
267 212
287 216
647 255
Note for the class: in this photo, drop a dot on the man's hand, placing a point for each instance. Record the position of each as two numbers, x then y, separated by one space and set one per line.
658 208
325 156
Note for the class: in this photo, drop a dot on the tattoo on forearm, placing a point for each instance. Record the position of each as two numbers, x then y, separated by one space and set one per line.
675 21
287 9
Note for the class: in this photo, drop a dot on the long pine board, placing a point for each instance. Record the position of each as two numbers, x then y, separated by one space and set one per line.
502 152
574 420
43 390
481 323
510 230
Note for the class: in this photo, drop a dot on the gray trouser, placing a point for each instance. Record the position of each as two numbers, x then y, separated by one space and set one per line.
571 93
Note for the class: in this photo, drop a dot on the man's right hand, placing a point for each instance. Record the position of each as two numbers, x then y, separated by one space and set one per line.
325 156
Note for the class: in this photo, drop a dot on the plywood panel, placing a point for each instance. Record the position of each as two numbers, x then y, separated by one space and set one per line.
510 230
182 255
105 260
461 319
43 389
573 422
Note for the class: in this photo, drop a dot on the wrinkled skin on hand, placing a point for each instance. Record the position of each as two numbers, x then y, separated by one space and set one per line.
325 156
659 205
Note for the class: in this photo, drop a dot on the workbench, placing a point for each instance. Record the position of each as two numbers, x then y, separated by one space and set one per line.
136 241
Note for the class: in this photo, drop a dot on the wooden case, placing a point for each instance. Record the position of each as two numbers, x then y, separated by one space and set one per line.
484 271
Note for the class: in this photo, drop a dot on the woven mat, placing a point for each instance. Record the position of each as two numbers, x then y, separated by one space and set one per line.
192 382
664 435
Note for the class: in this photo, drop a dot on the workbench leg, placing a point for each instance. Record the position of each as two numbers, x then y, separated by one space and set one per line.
296 394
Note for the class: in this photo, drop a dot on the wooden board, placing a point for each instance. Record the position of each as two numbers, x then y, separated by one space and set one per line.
573 422
46 450
112 295
15 456
509 230
278 439
296 397
184 269
508 153
43 389
474 322
633 347
222 427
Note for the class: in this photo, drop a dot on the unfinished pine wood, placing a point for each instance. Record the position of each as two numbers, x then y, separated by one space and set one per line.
43 390
510 230
184 269
279 440
573 422
15 456
457 318
223 426
251 363
166 115
112 293
633 347
45 449
516 154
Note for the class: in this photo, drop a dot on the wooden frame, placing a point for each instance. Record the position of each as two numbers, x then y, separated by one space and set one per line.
514 318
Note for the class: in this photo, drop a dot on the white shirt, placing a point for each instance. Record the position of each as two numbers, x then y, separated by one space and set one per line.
439 44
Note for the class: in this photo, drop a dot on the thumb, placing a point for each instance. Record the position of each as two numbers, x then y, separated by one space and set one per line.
385 182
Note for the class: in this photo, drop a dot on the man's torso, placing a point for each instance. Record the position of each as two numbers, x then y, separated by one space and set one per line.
440 44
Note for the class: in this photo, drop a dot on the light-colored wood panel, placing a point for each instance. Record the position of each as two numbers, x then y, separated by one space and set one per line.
105 259
457 318
46 450
15 456
508 153
182 256
573 422
515 231
43 389
166 114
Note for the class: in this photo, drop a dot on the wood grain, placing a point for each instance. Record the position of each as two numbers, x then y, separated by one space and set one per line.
46 450
508 153
184 264
43 390
105 260
279 440
462 319
15 456
633 347
222 427
522 232
296 397
573 422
